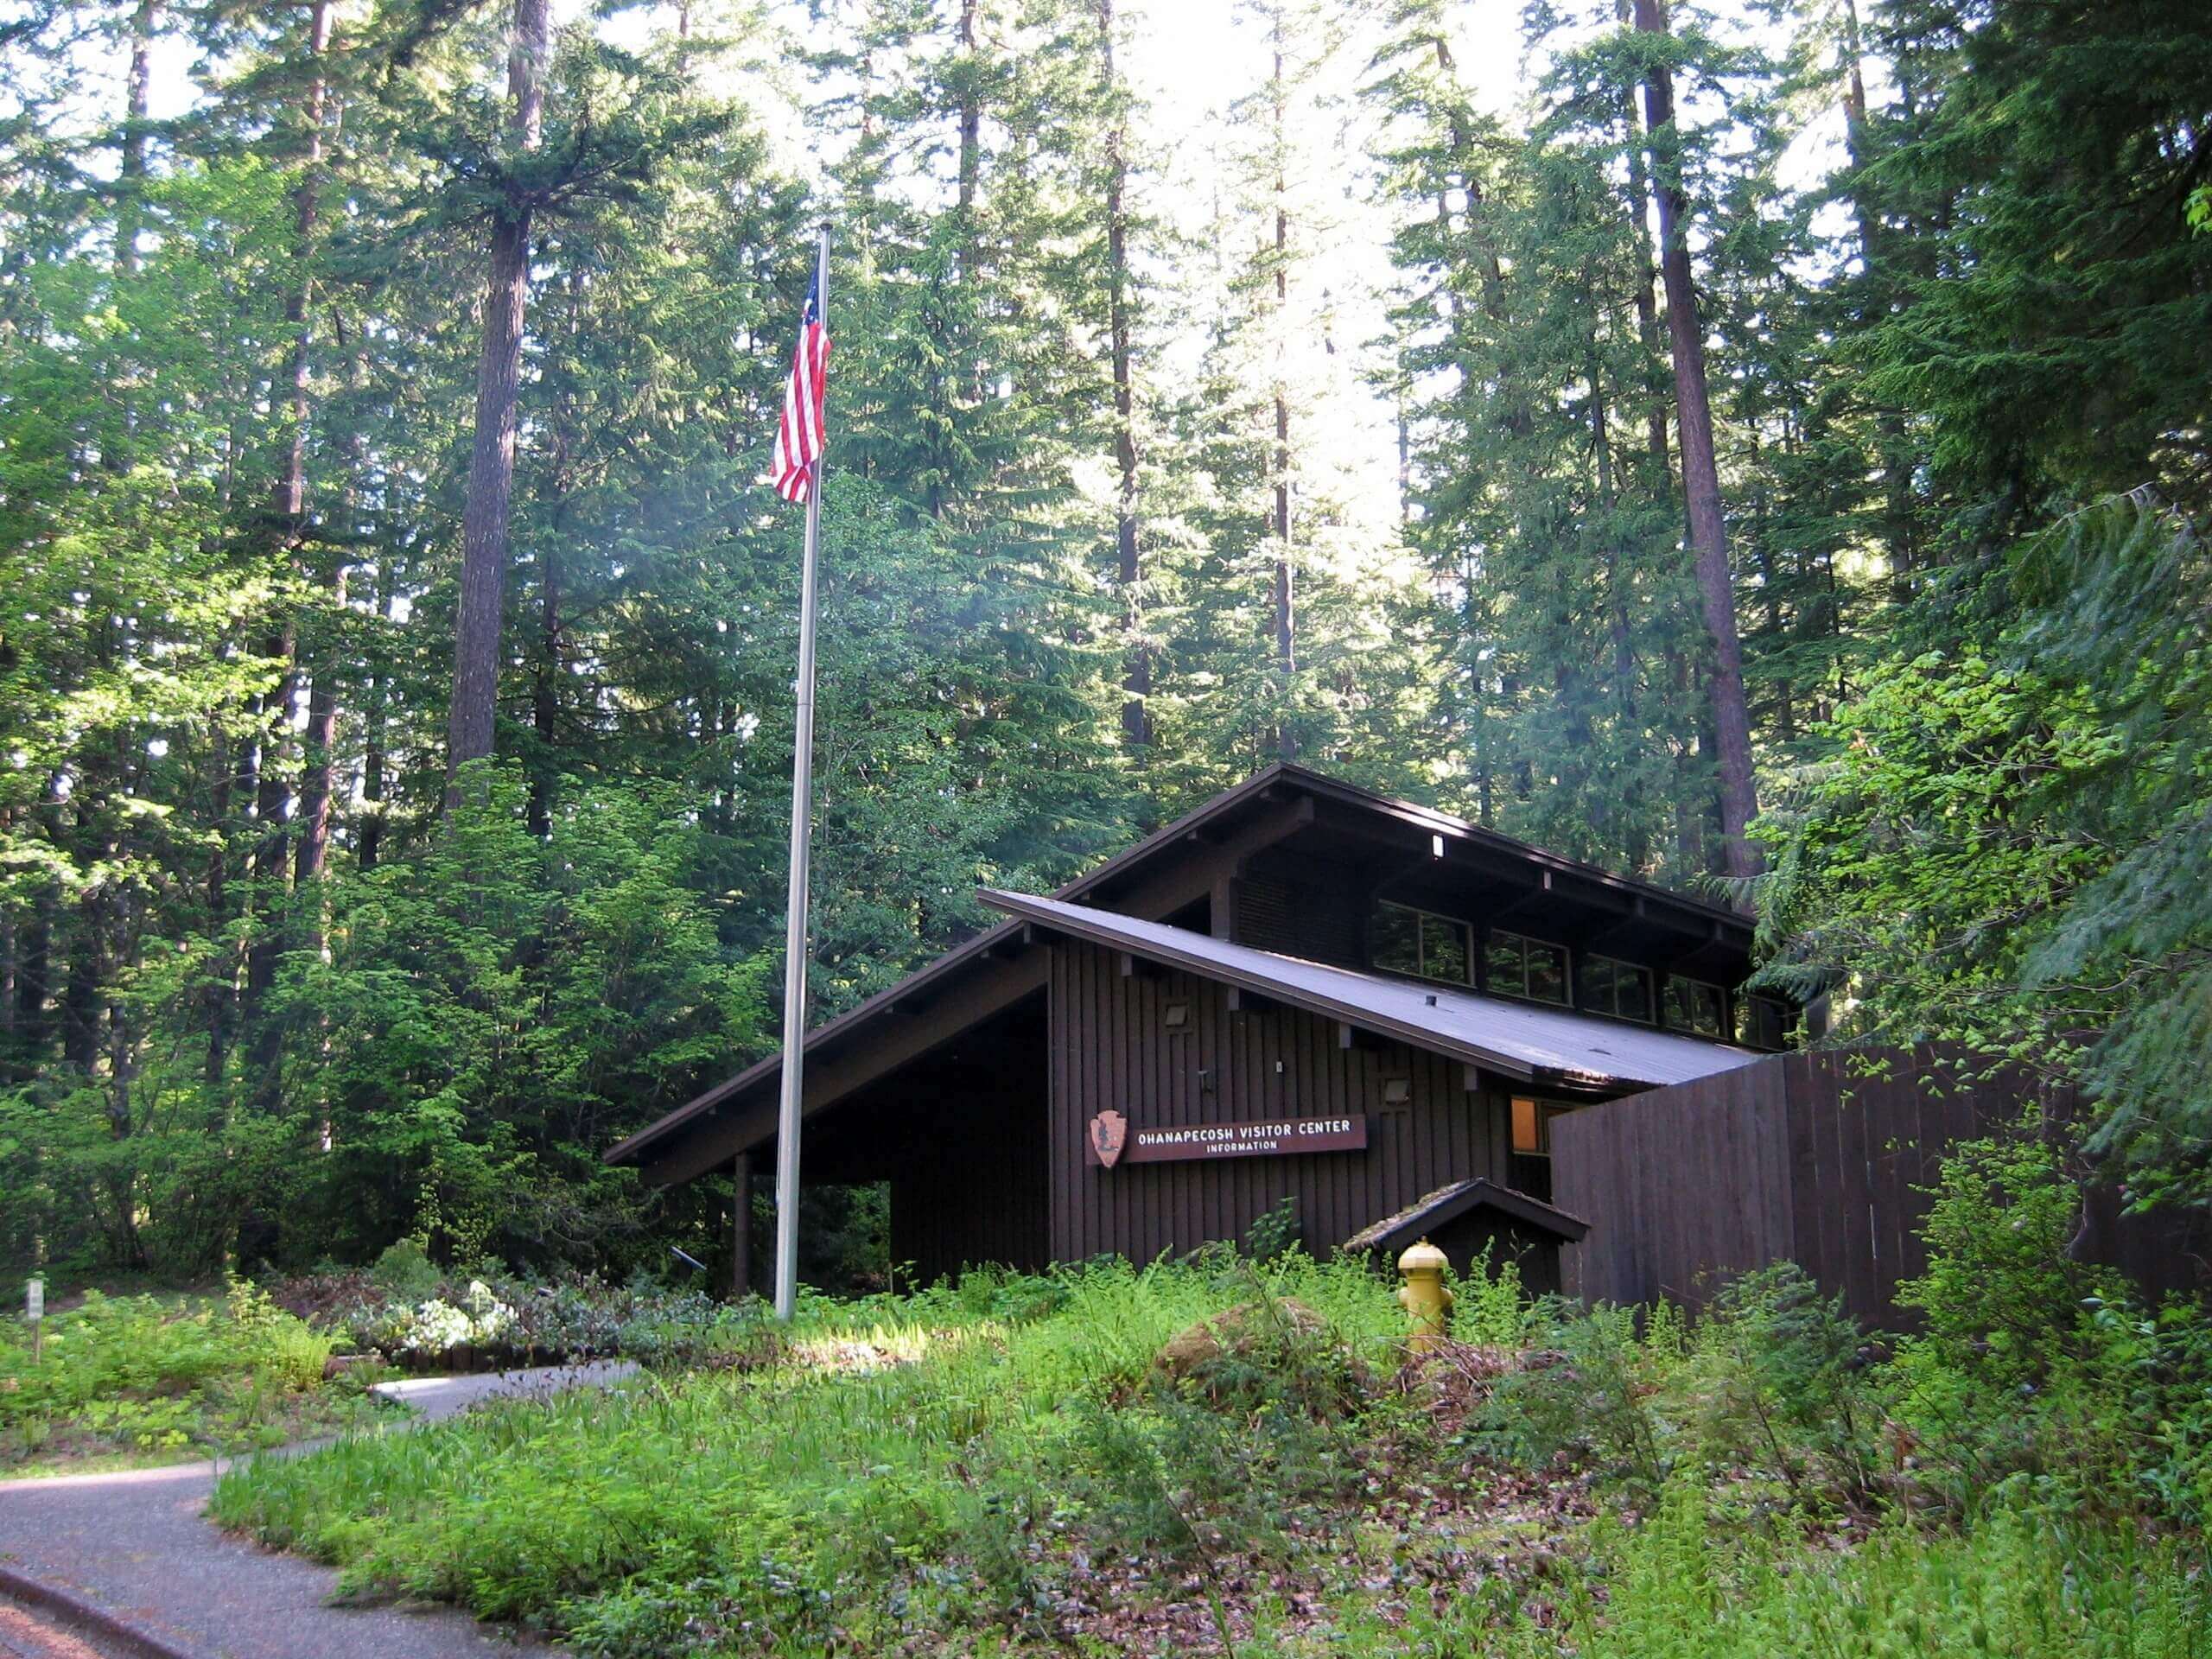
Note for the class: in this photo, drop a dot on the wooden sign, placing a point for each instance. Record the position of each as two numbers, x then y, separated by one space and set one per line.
1113 1140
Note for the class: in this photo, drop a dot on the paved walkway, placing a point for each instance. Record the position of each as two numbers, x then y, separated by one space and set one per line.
131 1550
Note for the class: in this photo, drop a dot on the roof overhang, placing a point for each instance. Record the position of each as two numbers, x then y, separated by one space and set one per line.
1150 881
1542 1046
1264 809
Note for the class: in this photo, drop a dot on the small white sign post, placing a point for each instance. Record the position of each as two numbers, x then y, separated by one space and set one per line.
34 1310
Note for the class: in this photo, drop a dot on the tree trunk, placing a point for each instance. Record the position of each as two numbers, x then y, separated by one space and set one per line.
322 690
499 383
1647 305
288 497
1700 473
971 125
34 943
1136 673
130 168
222 989
1618 597
543 707
372 732
1890 441
740 1230
83 994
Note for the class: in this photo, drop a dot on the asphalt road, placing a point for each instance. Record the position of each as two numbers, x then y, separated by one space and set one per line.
132 1546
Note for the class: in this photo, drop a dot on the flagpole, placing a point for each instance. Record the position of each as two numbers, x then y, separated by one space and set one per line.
794 952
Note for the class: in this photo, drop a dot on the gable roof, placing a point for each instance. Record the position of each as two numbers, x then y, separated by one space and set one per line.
951 964
1448 1204
1523 1040
1228 815
1430 820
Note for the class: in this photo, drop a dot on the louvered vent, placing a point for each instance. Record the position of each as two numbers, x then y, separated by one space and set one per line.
1298 919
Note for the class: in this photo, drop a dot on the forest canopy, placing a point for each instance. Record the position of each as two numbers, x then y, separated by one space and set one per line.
1762 449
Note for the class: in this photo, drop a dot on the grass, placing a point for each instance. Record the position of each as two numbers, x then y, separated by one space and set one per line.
130 1381
1000 1468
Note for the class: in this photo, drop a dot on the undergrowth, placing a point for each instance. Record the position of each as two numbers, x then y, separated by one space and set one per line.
1015 1464
145 1379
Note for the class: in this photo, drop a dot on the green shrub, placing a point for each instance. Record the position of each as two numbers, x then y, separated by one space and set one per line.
140 1374
1782 1381
404 1272
952 1470
1490 1309
1682 1588
2036 1367
2001 1298
1587 1394
1276 1232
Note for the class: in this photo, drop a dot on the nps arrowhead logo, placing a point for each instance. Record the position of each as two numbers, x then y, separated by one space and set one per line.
1109 1132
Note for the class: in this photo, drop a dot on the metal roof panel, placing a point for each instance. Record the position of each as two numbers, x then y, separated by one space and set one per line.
1524 1039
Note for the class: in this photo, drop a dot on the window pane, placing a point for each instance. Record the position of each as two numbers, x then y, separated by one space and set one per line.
1598 984
1444 949
1763 1021
1502 961
1692 1007
1526 1130
1712 1011
1633 988
1547 972
1394 942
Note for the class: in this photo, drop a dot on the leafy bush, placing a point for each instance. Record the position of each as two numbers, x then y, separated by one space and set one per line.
1002 1464
1276 1232
2001 1298
2035 1368
1782 1377
1683 1586
293 1351
408 1310
1588 1395
1490 1309
724 1501
141 1375
404 1273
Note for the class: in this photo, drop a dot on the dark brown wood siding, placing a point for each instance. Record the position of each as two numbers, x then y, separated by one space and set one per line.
1808 1158
959 1134
973 1191
1110 1048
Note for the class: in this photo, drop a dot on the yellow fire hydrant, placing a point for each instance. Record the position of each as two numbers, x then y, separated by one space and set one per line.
1424 1296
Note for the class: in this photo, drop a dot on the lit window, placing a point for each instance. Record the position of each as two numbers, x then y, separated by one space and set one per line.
1692 1005
1522 967
1532 1126
1616 988
1528 1137
1407 940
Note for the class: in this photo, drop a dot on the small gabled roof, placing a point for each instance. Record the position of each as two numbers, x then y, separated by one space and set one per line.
1448 1204
1520 1039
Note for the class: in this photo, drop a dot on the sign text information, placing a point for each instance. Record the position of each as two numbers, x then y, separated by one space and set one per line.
1172 1143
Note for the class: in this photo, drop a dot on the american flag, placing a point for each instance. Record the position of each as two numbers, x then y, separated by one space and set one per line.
799 435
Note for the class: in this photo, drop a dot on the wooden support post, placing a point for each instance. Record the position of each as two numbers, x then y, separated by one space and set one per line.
741 1242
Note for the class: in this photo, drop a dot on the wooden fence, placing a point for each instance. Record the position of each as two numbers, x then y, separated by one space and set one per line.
1816 1159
